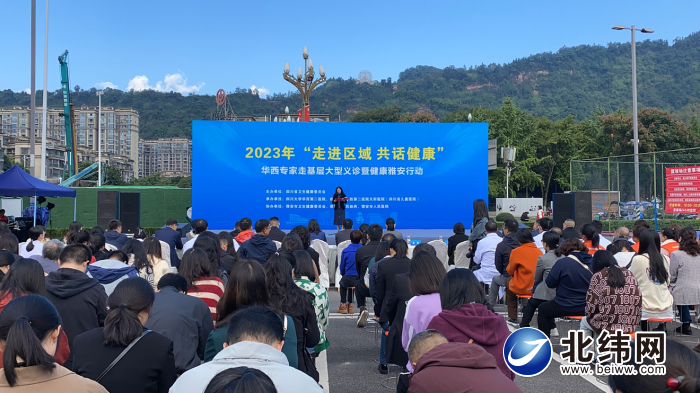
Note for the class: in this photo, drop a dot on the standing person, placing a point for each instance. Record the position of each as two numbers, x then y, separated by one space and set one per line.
540 213
198 226
136 252
286 297
35 243
169 234
344 235
305 278
454 240
481 217
183 319
348 269
502 257
391 228
149 365
424 278
387 270
669 243
541 292
523 261
315 230
339 200
79 299
685 275
275 232
467 318
571 276
364 256
650 268
115 236
155 258
30 328
486 255
259 246
202 279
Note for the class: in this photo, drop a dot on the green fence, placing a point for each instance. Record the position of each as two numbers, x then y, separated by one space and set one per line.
158 204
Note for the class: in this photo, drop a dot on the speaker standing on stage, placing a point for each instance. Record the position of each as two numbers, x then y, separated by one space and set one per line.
339 200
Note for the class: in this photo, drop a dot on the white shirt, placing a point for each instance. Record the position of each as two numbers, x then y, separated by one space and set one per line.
538 243
604 241
190 243
38 246
486 255
540 214
624 258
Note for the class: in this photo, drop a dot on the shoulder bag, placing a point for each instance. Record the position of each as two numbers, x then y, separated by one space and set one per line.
121 355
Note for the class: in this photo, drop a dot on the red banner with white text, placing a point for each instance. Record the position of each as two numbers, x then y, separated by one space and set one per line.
683 189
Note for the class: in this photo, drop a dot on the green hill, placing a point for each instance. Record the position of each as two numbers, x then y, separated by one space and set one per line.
575 81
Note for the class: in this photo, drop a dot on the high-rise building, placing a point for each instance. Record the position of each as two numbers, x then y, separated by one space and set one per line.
169 156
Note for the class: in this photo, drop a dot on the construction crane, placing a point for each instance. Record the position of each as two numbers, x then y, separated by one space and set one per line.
71 145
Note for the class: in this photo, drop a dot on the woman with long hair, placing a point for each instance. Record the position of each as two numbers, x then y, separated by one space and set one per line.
139 259
591 238
155 257
291 300
29 329
73 228
306 278
466 316
35 243
650 268
685 275
424 278
338 201
209 243
622 251
229 256
669 241
290 243
315 230
79 237
97 246
149 366
305 238
202 281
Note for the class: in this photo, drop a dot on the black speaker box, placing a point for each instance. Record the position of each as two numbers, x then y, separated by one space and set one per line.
563 208
130 211
107 207
583 209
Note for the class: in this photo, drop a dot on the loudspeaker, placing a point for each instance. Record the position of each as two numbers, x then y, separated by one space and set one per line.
107 207
563 208
130 211
583 209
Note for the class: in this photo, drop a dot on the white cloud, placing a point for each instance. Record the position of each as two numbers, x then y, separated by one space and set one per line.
105 85
171 82
261 91
28 91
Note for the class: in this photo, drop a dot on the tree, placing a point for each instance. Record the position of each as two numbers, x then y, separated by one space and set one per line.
419 117
185 182
391 114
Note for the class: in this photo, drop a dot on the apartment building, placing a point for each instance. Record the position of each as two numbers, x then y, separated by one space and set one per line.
169 156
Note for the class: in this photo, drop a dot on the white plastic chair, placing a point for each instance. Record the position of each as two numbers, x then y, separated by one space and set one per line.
165 251
323 251
441 250
342 246
461 259
278 244
110 247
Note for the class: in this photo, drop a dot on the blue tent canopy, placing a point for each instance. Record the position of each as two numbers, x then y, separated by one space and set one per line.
16 182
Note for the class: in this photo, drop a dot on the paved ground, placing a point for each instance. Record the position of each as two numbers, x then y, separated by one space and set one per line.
350 364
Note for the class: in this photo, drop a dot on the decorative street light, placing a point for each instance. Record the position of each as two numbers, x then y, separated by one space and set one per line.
304 81
99 137
634 105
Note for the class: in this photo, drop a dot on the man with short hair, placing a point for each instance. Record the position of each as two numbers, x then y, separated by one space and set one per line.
182 318
275 232
79 299
198 226
486 254
115 236
502 258
391 228
364 256
345 233
246 225
111 271
259 247
569 231
604 242
545 224
49 255
170 235
254 339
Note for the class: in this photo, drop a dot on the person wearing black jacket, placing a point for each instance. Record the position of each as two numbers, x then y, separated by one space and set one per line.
305 237
79 299
229 256
454 240
502 258
363 255
386 273
398 297
569 231
275 233
259 247
344 235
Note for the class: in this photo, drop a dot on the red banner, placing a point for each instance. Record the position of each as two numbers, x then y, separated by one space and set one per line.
683 189
304 116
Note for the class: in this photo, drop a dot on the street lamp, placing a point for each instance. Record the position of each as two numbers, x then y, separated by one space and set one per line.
99 137
304 81
634 105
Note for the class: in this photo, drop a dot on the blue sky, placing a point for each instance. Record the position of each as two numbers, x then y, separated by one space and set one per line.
202 46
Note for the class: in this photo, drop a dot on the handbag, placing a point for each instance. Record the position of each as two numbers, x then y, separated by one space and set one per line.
121 355
309 364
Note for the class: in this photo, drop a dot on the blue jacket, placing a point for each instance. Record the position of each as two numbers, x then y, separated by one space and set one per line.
257 248
116 239
109 273
348 267
571 281
174 240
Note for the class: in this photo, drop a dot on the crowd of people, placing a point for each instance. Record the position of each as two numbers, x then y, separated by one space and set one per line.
245 311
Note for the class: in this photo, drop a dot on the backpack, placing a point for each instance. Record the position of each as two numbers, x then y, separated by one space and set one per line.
369 266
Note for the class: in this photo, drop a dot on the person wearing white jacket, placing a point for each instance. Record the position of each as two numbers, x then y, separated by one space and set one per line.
255 338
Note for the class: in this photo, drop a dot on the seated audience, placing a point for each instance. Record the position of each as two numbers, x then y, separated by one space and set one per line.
258 247
198 226
29 329
275 232
305 237
542 293
149 366
35 242
79 299
7 258
639 227
391 228
502 258
604 242
115 236
246 225
569 230
365 256
111 271
202 280
136 252
685 276
315 231
210 243
155 257
254 339
183 319
173 238
650 268
545 225
446 367
229 256
348 271
95 230
241 380
571 277
622 233
669 241
591 238
454 240
291 243
79 237
97 246
467 318
236 230
485 255
622 251
305 278
522 265
49 255
344 234
383 252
